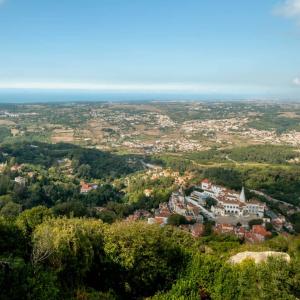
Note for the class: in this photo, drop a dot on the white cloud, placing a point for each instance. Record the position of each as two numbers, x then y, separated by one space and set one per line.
131 87
107 86
289 9
296 81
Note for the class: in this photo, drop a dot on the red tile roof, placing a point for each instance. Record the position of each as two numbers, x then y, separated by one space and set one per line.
159 220
259 229
197 230
205 180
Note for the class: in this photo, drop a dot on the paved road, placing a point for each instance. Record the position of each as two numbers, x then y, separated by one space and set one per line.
228 158
203 209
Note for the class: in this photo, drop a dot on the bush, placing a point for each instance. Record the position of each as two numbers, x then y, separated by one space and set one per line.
177 220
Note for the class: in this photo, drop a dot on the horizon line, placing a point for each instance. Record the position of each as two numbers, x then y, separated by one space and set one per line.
132 87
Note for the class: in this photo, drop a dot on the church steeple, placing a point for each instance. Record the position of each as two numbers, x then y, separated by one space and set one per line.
242 195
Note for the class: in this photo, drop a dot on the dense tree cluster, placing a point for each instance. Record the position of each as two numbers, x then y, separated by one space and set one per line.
47 258
209 277
42 257
273 121
224 176
264 154
4 133
88 163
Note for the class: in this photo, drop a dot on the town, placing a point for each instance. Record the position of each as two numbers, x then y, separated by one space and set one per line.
152 128
230 212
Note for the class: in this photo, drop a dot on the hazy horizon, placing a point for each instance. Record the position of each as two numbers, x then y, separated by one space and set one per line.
44 96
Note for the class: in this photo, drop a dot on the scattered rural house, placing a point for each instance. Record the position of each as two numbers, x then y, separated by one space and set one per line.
160 219
185 227
179 180
148 192
2 167
100 208
139 214
289 227
31 174
87 187
161 215
279 222
240 232
197 230
20 180
224 229
16 168
64 160
260 232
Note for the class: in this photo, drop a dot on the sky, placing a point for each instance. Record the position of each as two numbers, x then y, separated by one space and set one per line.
248 47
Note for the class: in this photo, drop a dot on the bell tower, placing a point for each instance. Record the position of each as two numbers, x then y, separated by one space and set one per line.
243 196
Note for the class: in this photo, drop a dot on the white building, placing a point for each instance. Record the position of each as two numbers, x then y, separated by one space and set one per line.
177 203
230 202
198 197
210 189
20 180
182 205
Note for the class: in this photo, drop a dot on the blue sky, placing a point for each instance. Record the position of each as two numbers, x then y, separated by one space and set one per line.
205 46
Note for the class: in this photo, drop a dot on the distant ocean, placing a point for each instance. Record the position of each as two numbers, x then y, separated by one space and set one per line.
38 96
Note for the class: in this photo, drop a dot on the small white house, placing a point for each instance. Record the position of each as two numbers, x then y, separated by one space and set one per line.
20 180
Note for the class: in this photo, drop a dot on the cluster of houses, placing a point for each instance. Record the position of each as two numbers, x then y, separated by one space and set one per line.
258 233
16 168
178 204
139 214
161 215
21 180
13 168
165 210
215 130
182 205
229 203
279 222
196 230
291 137
163 145
193 207
156 172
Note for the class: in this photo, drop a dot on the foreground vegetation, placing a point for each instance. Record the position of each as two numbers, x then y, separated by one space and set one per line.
69 258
